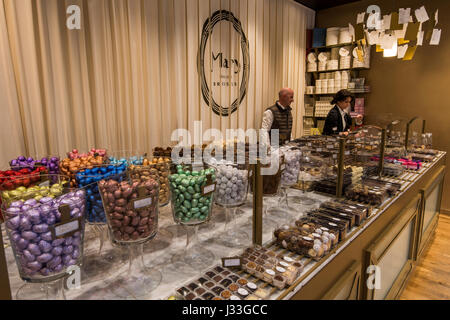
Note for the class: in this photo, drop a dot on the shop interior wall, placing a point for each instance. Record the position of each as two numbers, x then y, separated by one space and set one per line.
407 88
128 78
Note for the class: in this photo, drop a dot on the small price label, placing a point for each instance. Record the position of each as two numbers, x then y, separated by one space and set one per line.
335 219
209 189
231 262
143 203
63 229
319 149
349 210
330 146
347 153
67 226
333 224
143 200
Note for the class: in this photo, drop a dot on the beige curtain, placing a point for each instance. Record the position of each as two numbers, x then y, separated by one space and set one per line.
129 77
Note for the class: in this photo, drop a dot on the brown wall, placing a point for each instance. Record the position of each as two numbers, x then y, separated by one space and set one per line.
420 87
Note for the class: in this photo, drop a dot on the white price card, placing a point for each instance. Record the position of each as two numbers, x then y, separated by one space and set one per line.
209 189
231 262
335 219
349 210
143 203
333 224
401 51
66 228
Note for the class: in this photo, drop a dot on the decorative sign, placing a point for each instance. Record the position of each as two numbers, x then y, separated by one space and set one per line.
222 70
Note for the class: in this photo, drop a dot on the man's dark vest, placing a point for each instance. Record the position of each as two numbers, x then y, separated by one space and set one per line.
282 120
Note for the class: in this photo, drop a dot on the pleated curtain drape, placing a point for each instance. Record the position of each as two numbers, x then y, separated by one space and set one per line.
129 76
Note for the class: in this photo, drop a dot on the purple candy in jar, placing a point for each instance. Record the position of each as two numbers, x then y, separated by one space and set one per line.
45 200
45 257
34 216
79 193
21 158
36 240
15 236
46 236
75 253
14 162
76 241
30 159
25 224
13 223
31 202
54 262
29 235
28 271
54 159
34 249
66 258
58 268
51 220
57 251
40 228
25 208
23 261
71 262
68 241
35 265
68 250
28 256
45 272
45 246
22 244
15 204
57 242
75 213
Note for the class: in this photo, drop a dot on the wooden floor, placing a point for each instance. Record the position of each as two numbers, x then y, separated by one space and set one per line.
431 277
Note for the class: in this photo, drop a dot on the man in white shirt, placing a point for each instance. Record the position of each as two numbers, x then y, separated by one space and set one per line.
279 116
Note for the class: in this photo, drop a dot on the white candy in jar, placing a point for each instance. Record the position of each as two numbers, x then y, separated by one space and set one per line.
232 188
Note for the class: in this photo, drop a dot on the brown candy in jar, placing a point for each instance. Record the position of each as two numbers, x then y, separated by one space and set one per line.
133 216
156 169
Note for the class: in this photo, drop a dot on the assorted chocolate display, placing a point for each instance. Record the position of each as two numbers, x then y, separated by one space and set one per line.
266 265
220 283
316 234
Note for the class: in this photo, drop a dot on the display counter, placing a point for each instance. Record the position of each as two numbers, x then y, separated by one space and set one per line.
392 238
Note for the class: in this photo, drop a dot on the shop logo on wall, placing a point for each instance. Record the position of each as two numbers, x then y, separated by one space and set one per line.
224 52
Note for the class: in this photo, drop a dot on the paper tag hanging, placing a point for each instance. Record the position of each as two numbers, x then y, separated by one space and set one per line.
210 186
67 227
144 200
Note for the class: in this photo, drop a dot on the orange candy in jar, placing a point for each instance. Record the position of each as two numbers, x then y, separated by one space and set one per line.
70 167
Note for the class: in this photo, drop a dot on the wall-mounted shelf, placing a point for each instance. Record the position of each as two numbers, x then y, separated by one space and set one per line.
347 69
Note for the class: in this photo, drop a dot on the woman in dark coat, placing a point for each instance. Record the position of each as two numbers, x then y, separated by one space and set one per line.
338 120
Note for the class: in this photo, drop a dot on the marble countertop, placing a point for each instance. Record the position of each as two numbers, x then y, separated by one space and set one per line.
102 273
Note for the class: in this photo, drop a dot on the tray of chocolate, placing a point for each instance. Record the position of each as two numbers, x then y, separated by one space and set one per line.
391 187
389 169
366 194
220 283
430 152
302 241
355 214
421 157
279 270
